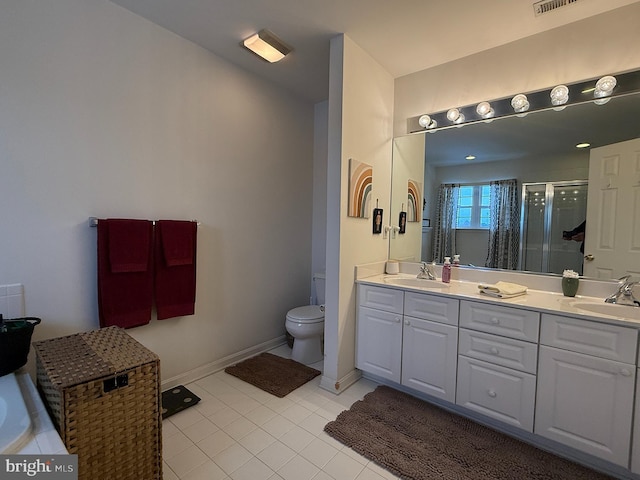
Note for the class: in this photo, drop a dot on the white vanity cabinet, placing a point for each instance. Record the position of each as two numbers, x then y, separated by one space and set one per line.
586 382
409 338
497 362
379 331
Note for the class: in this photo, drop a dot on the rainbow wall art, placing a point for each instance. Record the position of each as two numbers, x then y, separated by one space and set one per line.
414 201
360 182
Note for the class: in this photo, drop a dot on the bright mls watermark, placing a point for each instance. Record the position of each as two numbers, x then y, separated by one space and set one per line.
50 467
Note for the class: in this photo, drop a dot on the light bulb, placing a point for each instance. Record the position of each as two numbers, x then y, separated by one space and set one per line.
559 95
424 121
453 114
520 103
606 84
484 110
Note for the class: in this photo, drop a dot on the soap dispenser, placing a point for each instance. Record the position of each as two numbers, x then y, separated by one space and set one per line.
446 270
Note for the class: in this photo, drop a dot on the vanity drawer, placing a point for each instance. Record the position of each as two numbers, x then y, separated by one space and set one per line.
506 321
431 307
503 351
380 298
501 393
593 338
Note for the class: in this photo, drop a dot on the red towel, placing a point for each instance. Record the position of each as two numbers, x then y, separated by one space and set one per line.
125 277
175 272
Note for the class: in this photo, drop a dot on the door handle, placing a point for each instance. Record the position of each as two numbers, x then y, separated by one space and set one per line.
589 258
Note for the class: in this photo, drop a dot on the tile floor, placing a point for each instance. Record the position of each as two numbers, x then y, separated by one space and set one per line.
239 432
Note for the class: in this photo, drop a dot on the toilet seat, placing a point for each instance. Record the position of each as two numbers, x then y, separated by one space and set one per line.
306 314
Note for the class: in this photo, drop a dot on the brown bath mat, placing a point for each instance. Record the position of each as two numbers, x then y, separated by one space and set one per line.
271 373
416 440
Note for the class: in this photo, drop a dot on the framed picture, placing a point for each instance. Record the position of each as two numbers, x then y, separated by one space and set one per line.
377 220
402 222
360 184
414 194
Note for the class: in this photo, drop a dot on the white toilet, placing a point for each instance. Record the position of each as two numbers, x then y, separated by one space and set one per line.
306 326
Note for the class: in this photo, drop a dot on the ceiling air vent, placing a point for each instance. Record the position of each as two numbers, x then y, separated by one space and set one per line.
546 6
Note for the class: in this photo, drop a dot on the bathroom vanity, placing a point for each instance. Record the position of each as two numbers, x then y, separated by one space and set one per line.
549 369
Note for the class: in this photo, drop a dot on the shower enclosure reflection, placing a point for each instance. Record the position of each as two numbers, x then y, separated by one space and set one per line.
548 209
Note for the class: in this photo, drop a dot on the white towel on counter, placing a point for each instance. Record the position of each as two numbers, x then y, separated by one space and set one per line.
503 289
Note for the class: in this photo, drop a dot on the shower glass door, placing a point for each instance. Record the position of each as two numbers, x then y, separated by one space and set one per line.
549 209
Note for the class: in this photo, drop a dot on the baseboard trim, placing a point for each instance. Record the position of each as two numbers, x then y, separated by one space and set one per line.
338 386
221 364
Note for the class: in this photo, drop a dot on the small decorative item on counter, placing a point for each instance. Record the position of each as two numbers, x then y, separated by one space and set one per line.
446 270
392 267
570 282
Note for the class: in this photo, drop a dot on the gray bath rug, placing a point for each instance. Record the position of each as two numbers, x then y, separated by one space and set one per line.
416 440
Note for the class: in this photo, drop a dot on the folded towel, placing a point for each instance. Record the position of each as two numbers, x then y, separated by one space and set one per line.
503 288
125 277
177 242
129 244
501 295
175 268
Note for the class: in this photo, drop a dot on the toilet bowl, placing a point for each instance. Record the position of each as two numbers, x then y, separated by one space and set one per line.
306 326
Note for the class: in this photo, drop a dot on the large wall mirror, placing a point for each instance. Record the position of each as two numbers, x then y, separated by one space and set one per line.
557 188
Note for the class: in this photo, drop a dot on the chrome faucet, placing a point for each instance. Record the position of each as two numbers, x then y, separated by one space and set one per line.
427 271
624 294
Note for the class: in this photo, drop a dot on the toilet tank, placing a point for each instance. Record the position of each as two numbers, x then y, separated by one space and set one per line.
319 279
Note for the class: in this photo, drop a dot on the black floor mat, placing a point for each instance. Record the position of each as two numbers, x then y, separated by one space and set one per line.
177 399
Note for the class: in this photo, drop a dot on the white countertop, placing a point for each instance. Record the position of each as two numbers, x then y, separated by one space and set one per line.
538 300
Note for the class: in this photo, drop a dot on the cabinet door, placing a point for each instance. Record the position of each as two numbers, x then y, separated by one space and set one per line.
429 356
501 393
586 402
379 343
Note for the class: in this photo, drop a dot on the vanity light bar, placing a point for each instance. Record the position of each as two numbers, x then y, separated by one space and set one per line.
522 103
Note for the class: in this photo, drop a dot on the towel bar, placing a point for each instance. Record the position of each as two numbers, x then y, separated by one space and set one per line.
93 221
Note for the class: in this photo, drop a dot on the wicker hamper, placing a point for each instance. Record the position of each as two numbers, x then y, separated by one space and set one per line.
102 389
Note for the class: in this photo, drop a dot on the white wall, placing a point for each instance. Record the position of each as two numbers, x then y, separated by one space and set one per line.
598 45
319 228
103 113
360 111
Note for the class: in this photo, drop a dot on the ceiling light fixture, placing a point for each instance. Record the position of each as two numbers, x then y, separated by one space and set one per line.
484 110
520 103
267 46
470 157
559 95
583 145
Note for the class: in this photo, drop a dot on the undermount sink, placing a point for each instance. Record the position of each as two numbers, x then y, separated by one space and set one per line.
632 313
415 282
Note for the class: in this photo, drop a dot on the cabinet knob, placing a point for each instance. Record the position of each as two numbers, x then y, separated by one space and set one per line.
625 372
495 321
492 393
397 319
494 350
407 322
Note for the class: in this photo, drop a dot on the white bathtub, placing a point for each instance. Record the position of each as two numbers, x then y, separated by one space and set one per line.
15 421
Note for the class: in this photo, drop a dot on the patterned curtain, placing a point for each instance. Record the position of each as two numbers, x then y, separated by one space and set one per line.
444 231
504 233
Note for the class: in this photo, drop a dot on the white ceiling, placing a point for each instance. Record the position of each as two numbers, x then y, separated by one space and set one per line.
404 36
